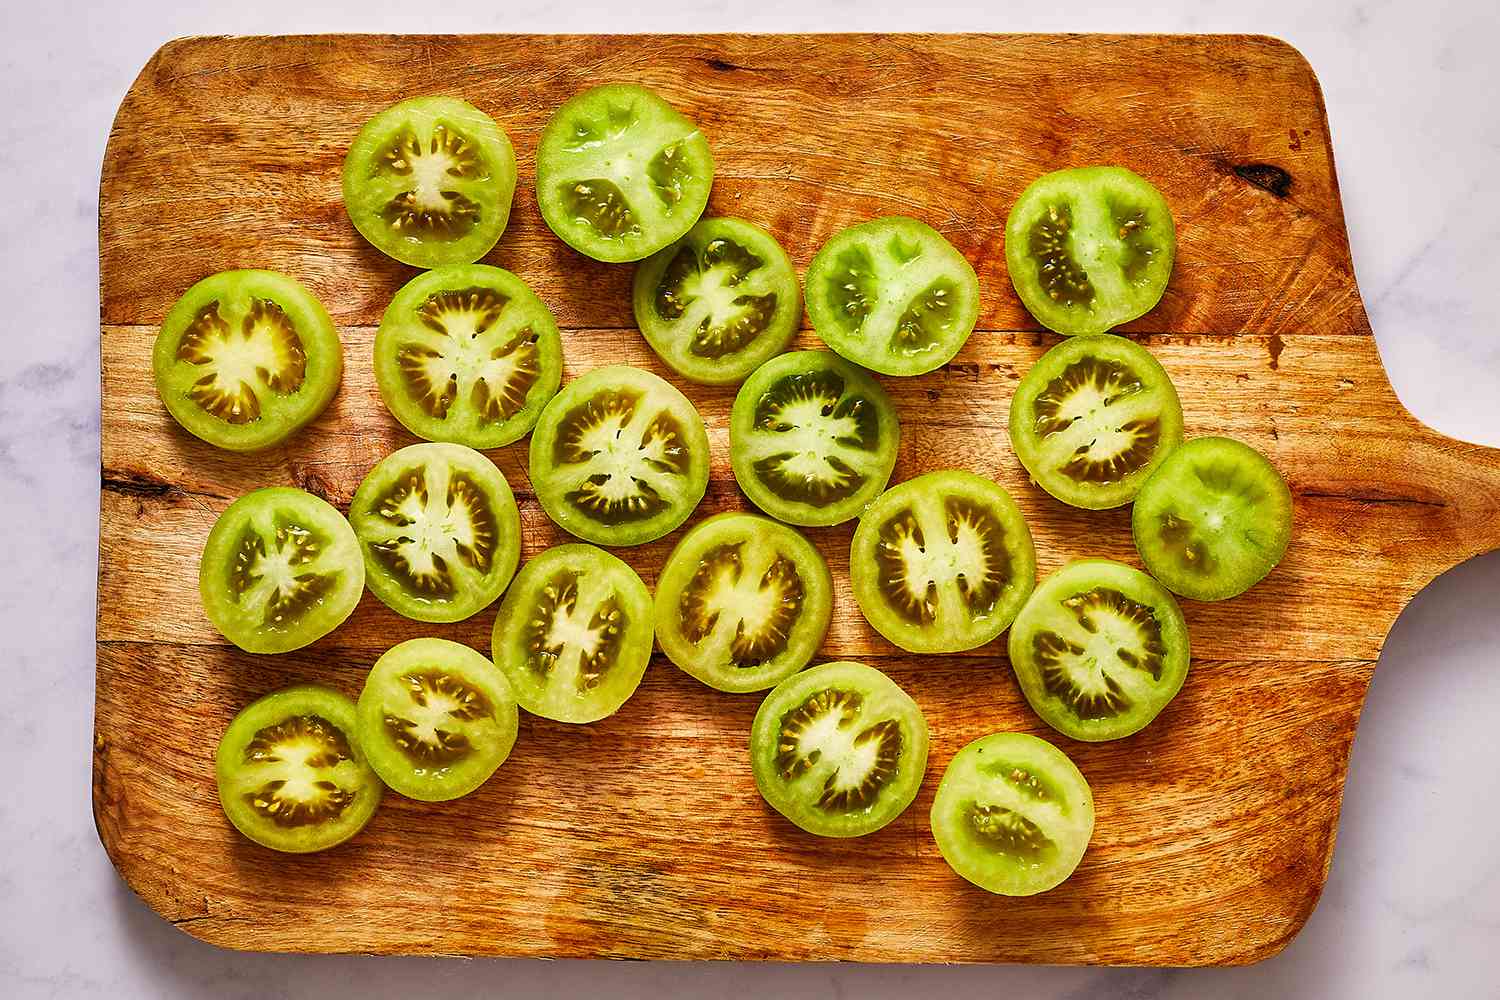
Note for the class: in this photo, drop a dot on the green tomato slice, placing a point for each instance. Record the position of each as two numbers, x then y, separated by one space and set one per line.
1013 814
429 181
246 358
1090 248
1099 650
439 530
1213 519
942 562
467 354
719 302
742 602
281 568
292 775
812 438
436 719
839 749
574 634
893 295
620 173
1093 419
619 457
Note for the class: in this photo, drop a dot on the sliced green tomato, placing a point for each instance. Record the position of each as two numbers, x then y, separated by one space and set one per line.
291 773
893 295
281 568
942 562
246 358
1213 520
619 457
1090 248
812 438
719 302
439 529
1093 419
621 174
1013 814
436 719
574 634
467 354
429 181
840 749
1099 650
742 602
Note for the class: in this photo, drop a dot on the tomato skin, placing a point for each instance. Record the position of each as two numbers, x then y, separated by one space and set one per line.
937 503
872 455
336 566
581 145
488 185
994 779
488 731
877 700
281 414
352 775
767 543
874 283
403 326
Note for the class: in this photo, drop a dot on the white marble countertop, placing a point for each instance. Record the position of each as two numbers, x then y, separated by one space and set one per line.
1413 904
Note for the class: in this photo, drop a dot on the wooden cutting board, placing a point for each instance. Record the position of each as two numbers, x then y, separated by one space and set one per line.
643 836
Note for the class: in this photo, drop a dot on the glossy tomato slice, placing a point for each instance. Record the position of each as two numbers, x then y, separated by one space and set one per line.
839 749
574 634
435 719
719 302
1213 519
892 295
742 602
439 529
281 568
1093 419
246 358
291 773
620 173
1013 814
468 354
1090 248
1099 650
812 438
429 181
619 457
942 562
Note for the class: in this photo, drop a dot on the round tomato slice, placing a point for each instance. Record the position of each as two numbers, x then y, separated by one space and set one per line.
893 295
467 354
719 302
1090 248
942 562
619 457
439 529
812 438
1013 814
429 181
621 174
246 358
436 719
1093 419
1213 519
1099 650
281 568
742 602
839 749
291 773
574 634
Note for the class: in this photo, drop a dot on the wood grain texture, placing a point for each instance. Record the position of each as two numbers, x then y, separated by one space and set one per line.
642 835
